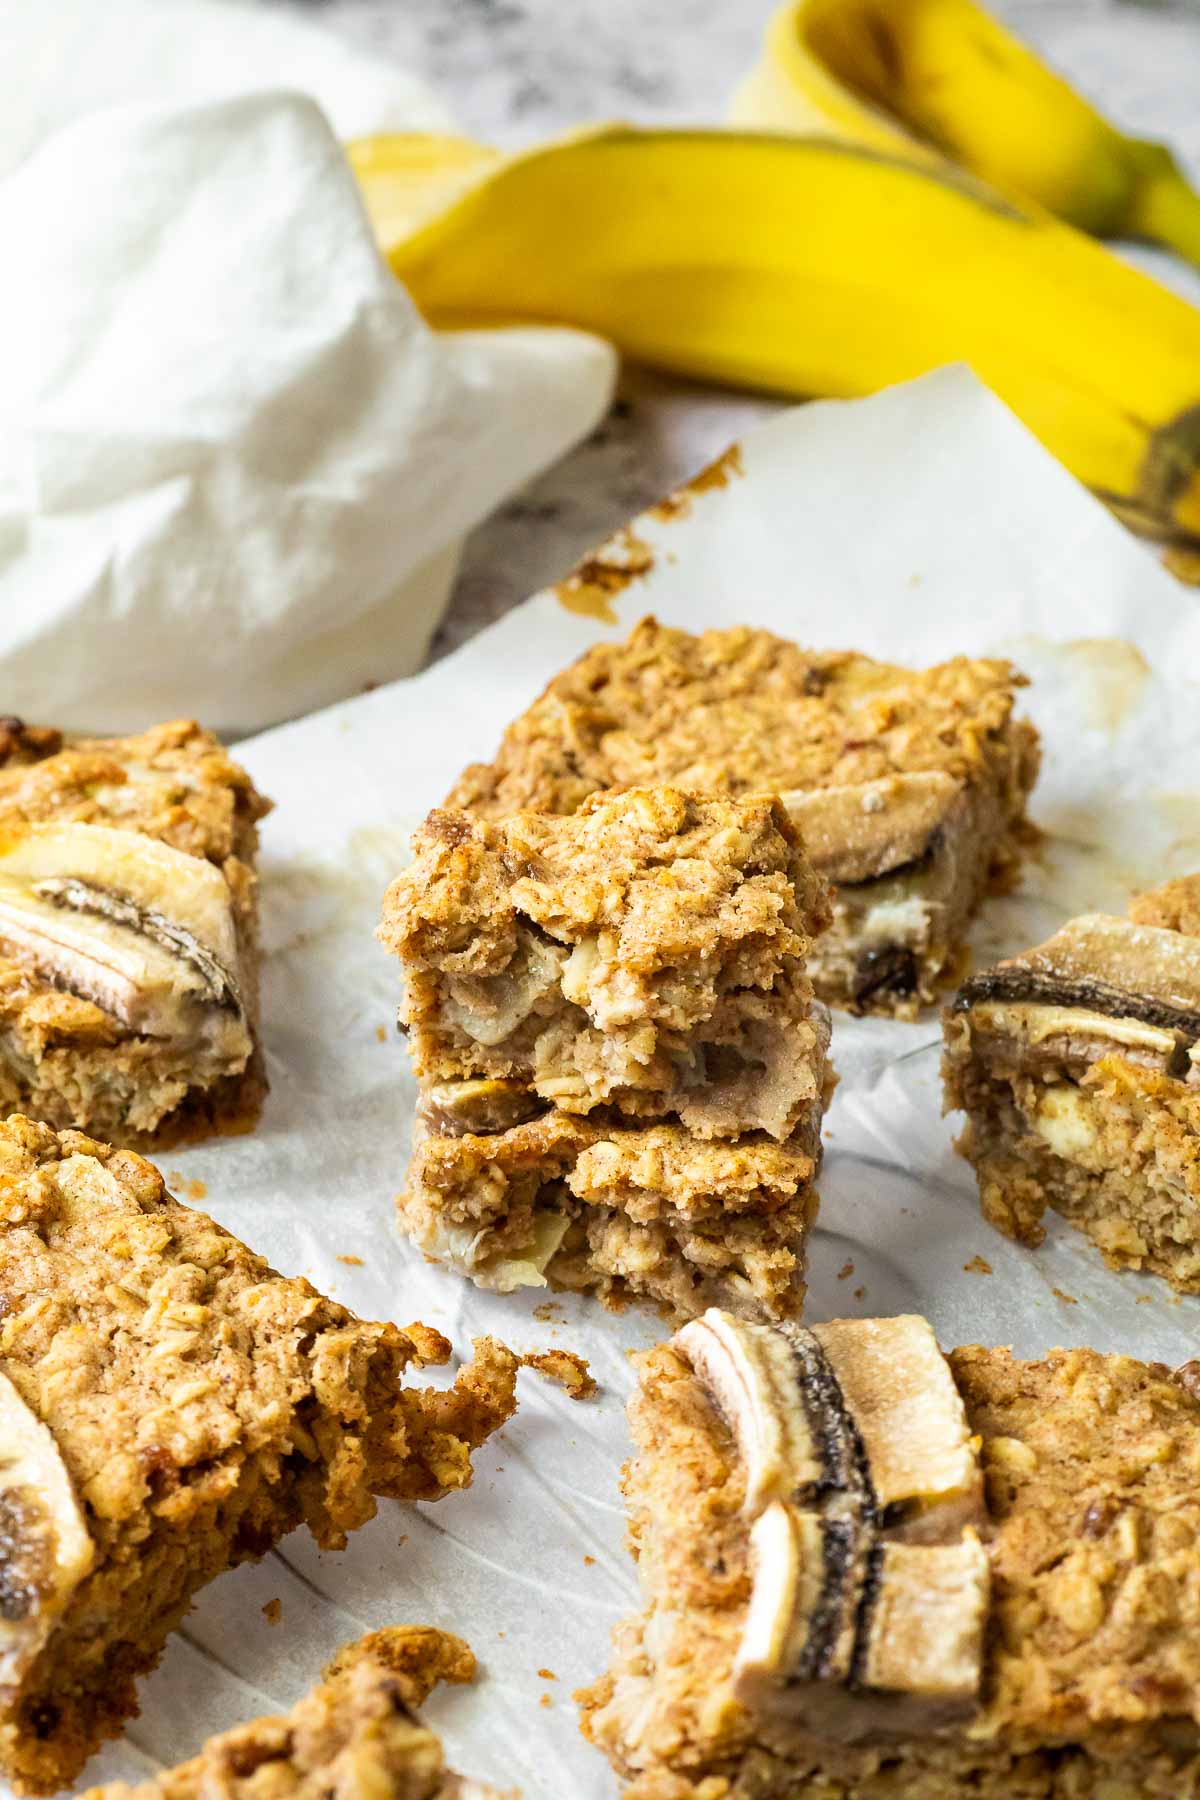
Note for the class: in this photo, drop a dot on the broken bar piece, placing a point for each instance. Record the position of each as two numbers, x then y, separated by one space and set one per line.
1078 1066
908 786
622 1066
874 1572
355 1736
170 1407
129 934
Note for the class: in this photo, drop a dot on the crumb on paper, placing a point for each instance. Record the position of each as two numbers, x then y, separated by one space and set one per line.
860 1293
355 1262
192 1190
499 1634
548 1310
547 1675
273 1611
1067 1299
545 1700
381 1033
846 1270
1144 1300
978 1265
590 1561
401 1541
568 1371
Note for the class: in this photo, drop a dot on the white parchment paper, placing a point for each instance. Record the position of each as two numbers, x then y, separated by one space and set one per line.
914 525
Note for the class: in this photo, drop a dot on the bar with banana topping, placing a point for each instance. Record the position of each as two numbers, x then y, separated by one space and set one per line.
873 1571
908 786
170 1406
1078 1067
354 1736
128 934
622 1065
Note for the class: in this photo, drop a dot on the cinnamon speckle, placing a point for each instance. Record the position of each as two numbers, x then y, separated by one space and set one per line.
978 1265
846 1270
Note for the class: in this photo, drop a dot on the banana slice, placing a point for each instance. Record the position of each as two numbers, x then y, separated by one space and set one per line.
139 928
481 1107
45 1549
869 1582
752 1374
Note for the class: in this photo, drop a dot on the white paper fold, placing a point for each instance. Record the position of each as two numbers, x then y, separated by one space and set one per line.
235 464
915 525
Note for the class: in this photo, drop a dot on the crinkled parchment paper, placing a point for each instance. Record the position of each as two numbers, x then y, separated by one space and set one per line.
913 525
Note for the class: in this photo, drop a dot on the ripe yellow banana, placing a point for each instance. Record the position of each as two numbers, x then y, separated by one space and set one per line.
942 76
810 267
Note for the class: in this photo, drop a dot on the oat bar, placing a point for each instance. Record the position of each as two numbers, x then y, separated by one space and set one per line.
622 1066
908 786
1078 1066
128 934
169 1407
874 1571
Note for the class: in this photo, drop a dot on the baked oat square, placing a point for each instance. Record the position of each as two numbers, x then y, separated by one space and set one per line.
622 1066
128 934
1078 1067
355 1736
170 1407
908 786
871 1571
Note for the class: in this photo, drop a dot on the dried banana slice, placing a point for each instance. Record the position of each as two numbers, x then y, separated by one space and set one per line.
138 927
869 1581
45 1549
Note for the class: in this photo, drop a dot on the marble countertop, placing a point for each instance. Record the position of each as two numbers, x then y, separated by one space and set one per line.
515 71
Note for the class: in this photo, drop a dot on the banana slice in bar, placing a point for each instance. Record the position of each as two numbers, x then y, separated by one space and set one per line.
140 928
45 1549
869 1582
750 1371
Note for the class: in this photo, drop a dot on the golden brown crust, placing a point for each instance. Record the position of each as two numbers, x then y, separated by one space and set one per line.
69 1061
202 1406
738 712
1175 906
352 1737
1092 1682
913 779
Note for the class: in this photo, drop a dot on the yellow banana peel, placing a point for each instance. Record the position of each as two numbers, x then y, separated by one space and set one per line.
924 78
806 266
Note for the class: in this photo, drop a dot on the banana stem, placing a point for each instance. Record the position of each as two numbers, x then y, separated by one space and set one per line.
1166 210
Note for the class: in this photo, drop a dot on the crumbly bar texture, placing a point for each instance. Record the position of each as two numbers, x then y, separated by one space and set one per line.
621 1062
1078 1067
356 1736
1048 1651
909 786
128 934
169 1407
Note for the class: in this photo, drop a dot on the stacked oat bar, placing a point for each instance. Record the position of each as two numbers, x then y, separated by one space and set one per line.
621 1062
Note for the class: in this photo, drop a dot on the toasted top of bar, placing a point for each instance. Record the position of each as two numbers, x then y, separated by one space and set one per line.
669 885
1114 967
1175 906
1092 1536
161 1353
354 1737
174 782
743 711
